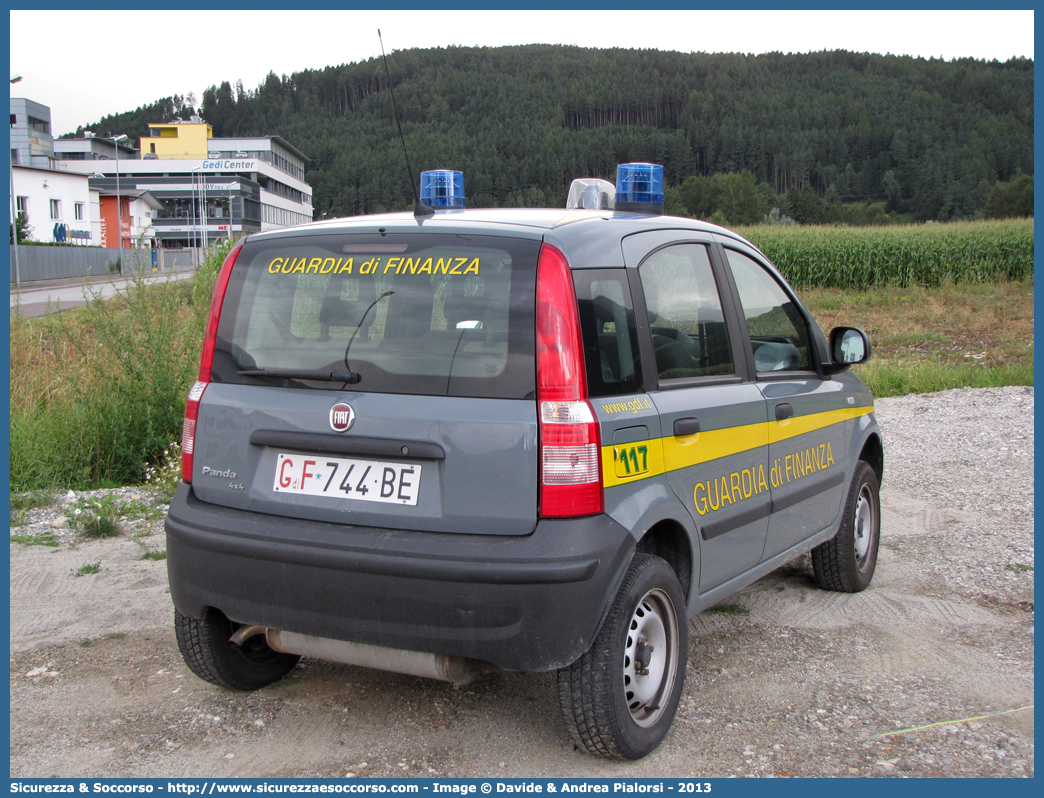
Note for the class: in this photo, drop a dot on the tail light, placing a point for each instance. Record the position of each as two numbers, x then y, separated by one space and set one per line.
206 362
570 459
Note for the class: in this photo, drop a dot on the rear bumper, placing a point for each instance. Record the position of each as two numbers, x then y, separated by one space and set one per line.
525 603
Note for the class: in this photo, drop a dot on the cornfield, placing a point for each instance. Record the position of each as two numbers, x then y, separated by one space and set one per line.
925 255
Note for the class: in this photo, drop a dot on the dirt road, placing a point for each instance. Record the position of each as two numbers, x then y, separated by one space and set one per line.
791 681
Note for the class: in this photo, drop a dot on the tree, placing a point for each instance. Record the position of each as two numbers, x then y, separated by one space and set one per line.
805 205
892 190
739 198
672 202
918 134
832 205
25 232
1011 199
700 195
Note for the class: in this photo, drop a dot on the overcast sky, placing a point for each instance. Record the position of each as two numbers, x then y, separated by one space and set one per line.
88 64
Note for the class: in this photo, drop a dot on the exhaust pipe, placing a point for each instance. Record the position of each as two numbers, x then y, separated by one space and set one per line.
456 670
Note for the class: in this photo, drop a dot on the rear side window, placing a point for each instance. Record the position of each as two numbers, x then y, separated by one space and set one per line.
609 333
440 315
687 324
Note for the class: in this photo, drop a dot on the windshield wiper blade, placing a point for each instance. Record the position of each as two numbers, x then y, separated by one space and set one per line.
325 375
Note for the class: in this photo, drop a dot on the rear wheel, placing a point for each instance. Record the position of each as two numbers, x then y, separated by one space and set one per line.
208 653
620 697
846 562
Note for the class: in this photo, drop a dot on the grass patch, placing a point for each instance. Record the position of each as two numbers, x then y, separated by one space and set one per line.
727 609
96 518
115 636
99 526
31 499
85 644
86 570
1019 567
101 517
98 393
154 555
45 539
967 335
22 503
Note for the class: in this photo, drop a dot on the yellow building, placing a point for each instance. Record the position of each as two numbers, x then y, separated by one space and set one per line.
177 140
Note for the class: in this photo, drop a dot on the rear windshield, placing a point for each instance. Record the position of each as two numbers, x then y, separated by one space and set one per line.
441 315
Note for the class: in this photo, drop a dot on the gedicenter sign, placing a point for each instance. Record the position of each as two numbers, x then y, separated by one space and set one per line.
228 165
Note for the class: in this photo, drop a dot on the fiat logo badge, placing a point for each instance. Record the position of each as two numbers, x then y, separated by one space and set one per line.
341 417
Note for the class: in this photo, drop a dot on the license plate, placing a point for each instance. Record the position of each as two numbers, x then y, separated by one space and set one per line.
342 478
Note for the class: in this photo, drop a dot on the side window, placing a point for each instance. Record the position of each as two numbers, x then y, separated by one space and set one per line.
778 331
610 336
688 327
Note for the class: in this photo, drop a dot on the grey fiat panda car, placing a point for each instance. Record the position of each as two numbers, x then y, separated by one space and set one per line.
516 439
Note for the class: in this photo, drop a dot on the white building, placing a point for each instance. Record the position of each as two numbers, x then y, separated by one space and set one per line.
59 206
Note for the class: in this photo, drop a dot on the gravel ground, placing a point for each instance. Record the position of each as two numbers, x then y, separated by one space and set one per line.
966 458
794 682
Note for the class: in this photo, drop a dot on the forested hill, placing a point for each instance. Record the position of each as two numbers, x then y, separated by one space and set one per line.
930 137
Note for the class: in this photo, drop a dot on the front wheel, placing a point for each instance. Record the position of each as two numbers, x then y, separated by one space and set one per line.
620 697
207 651
846 562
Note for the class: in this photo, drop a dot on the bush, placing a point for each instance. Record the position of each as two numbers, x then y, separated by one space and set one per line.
776 217
164 476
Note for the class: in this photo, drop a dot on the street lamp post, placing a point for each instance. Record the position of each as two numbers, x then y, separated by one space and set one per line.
199 234
119 208
14 212
203 213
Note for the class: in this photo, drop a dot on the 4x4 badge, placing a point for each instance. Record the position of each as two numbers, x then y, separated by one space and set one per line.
341 417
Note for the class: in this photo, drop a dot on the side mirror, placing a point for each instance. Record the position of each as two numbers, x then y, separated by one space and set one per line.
849 346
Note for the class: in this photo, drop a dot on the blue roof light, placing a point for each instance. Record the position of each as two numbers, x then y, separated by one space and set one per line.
639 187
442 188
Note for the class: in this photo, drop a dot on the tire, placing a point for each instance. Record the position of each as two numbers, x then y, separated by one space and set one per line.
610 709
846 562
205 648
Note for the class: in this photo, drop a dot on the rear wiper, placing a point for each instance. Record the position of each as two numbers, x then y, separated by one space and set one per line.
325 375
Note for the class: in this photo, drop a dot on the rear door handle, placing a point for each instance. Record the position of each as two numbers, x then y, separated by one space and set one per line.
784 411
686 426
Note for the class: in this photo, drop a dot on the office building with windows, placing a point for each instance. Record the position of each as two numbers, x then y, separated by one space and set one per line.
210 188
61 205
92 148
183 188
31 141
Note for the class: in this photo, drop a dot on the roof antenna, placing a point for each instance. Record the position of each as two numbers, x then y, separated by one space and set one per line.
419 209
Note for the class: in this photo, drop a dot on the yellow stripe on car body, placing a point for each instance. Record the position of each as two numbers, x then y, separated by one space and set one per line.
673 453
